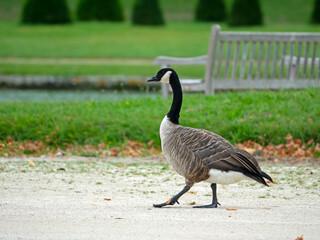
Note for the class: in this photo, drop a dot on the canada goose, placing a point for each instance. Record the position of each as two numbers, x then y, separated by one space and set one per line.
200 155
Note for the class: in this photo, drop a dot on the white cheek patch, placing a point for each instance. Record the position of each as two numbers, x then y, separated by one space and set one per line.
165 78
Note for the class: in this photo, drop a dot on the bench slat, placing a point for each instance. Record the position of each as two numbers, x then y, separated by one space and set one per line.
269 37
226 73
304 72
259 60
235 61
274 61
220 60
296 73
266 66
266 84
253 47
284 49
243 60
289 76
214 38
313 59
165 60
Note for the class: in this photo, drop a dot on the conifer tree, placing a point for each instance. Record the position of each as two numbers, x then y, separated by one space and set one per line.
100 10
147 12
210 10
45 12
315 19
246 13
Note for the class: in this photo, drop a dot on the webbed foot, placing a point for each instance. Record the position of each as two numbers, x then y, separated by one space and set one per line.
213 205
172 201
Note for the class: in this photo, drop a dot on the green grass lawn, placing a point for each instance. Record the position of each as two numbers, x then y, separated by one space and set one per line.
107 41
112 40
239 116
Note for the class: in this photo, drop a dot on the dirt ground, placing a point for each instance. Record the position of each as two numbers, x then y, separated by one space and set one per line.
89 198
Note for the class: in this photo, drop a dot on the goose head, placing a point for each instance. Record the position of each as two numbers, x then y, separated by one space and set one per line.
168 75
164 75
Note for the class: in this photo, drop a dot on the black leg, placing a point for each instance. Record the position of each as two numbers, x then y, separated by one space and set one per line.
174 199
214 198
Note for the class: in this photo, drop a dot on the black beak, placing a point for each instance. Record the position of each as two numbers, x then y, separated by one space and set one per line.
153 79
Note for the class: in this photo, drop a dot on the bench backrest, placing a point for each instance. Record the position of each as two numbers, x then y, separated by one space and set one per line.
262 56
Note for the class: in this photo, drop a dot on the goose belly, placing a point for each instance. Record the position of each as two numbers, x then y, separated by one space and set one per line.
175 163
225 177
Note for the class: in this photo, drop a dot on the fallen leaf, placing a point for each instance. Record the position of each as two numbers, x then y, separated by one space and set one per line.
231 209
310 142
101 146
93 204
268 181
317 148
9 140
300 238
191 203
31 163
107 199
150 143
223 186
289 138
114 152
310 120
192 192
298 141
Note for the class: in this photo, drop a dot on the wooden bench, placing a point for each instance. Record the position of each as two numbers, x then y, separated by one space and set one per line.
253 60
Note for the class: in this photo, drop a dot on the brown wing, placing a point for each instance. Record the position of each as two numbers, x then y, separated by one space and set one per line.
217 153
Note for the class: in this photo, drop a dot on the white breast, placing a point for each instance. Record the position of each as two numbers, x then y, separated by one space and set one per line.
223 177
166 133
166 128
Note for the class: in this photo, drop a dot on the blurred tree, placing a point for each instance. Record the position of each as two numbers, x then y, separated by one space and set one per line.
47 12
316 12
147 12
210 10
245 13
101 10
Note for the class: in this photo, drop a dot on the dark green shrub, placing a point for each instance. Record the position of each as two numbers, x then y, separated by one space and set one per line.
147 12
245 13
101 10
45 11
316 12
210 10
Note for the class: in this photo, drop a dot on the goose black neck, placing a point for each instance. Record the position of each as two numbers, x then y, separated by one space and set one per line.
174 112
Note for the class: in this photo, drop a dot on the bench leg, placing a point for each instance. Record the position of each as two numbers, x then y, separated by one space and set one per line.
165 90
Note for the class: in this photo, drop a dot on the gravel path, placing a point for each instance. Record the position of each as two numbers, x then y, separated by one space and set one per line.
87 198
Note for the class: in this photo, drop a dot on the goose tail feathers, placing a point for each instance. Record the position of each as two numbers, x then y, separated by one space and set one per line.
263 174
256 177
260 177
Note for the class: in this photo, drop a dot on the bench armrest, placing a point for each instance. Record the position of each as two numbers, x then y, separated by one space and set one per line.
294 60
164 60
